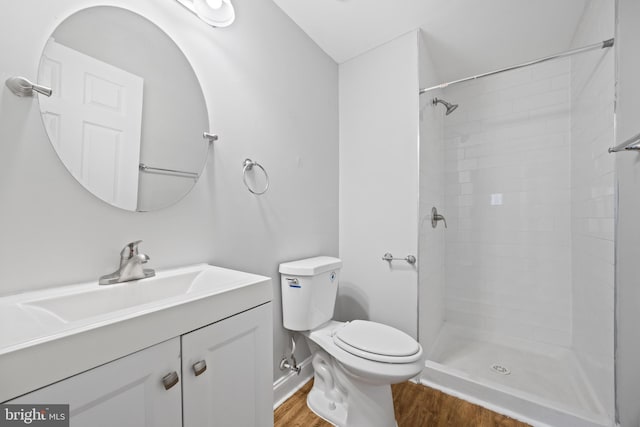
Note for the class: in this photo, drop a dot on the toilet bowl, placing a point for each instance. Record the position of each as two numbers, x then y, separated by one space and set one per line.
354 362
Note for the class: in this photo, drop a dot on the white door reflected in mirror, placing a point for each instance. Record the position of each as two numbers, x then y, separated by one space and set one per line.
94 120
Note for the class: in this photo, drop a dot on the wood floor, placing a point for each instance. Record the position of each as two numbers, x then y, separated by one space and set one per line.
415 406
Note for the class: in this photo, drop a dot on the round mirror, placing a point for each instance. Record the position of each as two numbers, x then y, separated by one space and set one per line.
127 114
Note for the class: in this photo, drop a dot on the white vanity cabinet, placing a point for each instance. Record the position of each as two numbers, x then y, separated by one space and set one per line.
234 389
127 392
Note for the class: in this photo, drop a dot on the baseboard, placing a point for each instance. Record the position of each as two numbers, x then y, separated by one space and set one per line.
286 386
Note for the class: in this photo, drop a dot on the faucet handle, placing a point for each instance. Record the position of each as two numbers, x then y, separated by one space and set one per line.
130 250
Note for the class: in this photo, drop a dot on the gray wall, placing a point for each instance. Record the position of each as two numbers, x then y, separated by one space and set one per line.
379 184
272 96
628 231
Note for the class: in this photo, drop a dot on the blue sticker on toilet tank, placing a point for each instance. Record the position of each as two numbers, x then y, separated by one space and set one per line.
294 286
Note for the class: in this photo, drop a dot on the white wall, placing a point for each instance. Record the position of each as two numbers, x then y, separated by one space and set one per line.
507 163
628 231
379 184
593 201
431 277
272 96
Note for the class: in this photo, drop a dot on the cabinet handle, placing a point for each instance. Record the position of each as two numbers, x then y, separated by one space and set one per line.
170 380
199 367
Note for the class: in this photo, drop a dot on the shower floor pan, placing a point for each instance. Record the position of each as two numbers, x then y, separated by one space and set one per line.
541 388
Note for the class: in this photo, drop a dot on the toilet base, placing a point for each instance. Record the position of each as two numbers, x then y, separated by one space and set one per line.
335 413
345 400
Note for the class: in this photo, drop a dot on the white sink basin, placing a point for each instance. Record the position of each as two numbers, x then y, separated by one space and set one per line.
82 326
17 322
76 303
97 301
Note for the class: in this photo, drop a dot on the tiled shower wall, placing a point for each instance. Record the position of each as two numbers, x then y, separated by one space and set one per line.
508 204
593 201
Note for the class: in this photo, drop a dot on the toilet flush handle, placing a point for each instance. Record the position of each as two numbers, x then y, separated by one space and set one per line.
293 282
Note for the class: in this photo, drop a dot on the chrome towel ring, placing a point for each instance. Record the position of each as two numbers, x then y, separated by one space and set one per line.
247 166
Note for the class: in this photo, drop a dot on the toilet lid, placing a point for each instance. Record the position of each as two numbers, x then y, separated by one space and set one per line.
375 341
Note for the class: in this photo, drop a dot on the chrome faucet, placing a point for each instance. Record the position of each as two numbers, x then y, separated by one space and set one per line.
130 266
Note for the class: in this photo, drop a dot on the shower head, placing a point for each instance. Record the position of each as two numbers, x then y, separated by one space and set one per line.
450 107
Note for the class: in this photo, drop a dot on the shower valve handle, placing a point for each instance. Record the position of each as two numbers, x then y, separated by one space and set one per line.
435 217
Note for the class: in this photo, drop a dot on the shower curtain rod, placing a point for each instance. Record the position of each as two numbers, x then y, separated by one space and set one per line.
602 45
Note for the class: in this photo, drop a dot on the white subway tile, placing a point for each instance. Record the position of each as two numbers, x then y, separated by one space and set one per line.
529 193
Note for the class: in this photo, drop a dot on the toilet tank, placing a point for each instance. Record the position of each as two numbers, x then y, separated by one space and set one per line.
309 288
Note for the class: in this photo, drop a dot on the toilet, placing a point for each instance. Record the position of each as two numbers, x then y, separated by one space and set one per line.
354 362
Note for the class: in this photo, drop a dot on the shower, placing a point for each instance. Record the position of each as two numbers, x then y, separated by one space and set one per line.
511 304
450 107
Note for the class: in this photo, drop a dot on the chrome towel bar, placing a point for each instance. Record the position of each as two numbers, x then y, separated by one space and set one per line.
409 258
175 172
631 144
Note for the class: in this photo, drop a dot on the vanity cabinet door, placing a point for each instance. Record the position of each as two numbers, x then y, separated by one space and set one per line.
127 392
235 389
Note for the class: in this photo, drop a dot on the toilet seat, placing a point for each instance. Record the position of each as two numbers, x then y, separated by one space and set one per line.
377 342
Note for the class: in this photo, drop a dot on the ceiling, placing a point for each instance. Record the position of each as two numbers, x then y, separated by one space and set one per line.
465 37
